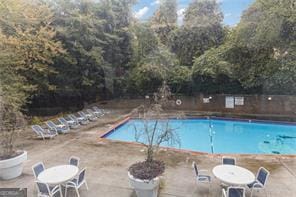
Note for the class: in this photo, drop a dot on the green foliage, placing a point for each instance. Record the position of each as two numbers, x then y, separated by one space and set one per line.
202 30
82 50
180 80
27 50
203 13
146 78
164 20
35 120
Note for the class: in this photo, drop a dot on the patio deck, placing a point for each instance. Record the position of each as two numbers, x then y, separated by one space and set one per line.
107 163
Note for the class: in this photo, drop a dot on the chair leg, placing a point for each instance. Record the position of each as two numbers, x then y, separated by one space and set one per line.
77 192
66 188
86 185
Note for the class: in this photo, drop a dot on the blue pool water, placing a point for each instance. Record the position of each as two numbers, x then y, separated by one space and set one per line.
227 136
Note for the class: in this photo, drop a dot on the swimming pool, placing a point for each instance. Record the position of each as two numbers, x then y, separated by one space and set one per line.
228 136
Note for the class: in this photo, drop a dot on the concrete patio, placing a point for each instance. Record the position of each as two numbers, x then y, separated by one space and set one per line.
107 163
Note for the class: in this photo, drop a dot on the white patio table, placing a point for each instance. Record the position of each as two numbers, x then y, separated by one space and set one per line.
233 175
58 175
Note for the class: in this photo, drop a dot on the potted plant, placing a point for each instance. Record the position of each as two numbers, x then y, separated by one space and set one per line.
144 176
11 160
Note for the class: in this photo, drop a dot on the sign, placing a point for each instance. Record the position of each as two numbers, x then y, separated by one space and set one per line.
13 192
206 100
229 102
239 100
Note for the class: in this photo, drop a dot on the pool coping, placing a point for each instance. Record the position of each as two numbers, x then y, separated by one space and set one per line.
102 137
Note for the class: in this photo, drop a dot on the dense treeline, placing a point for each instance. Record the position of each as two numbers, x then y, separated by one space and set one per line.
65 52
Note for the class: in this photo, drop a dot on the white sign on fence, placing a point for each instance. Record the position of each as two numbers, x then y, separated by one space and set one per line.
229 102
239 100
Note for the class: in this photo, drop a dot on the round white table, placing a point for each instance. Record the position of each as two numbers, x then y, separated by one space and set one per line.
58 174
233 175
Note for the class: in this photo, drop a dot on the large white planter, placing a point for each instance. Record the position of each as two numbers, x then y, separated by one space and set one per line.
145 188
13 167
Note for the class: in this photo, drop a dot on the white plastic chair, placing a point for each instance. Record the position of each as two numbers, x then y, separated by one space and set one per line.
76 183
201 176
44 190
234 192
44 133
260 182
74 161
38 168
60 128
228 160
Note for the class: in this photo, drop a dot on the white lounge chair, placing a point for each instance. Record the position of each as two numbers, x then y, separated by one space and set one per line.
76 183
60 128
98 112
90 117
70 123
103 111
44 133
80 119
93 113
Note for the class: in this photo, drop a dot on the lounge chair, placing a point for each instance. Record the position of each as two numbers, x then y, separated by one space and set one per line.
228 161
98 112
74 161
60 128
90 117
80 119
76 183
260 182
234 192
70 123
200 175
44 190
93 113
44 133
38 168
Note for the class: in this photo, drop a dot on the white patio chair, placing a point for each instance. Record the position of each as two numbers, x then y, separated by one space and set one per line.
44 190
70 123
44 133
38 168
90 117
228 160
76 183
74 161
98 115
234 192
60 128
260 182
98 112
201 176
80 119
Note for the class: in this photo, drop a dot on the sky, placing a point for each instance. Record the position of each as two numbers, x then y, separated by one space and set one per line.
232 9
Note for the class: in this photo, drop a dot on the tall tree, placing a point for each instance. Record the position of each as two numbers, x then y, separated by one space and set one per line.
202 29
27 49
81 70
164 19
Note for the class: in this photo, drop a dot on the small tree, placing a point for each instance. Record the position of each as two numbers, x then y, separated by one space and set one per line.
154 131
11 121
